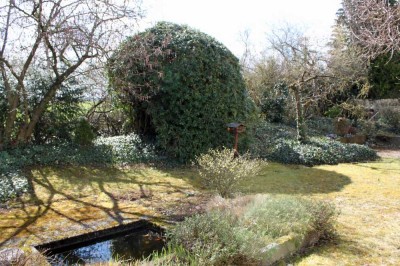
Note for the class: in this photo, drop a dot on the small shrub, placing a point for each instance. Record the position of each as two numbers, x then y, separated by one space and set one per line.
235 231
391 117
323 217
216 238
278 216
221 171
368 128
84 134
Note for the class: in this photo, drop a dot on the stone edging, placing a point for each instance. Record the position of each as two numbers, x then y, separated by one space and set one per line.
286 246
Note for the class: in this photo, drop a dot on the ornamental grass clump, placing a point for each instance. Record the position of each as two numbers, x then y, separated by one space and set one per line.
222 172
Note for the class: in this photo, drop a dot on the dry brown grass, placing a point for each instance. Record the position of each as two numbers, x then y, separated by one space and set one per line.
75 200
369 224
368 197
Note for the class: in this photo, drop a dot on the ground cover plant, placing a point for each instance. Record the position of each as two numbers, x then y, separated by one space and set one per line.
104 151
277 142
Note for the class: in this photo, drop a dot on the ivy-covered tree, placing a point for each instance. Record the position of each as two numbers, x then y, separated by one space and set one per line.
182 87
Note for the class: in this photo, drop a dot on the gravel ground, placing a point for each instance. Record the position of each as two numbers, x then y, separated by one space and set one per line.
389 153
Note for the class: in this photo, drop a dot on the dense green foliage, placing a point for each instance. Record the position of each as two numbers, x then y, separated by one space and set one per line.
59 118
127 149
84 134
196 90
237 232
57 123
104 151
274 103
277 143
384 77
222 172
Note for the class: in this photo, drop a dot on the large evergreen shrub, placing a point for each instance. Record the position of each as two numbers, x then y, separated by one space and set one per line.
383 74
183 87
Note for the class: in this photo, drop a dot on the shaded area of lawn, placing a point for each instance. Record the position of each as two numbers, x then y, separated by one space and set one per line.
294 179
74 200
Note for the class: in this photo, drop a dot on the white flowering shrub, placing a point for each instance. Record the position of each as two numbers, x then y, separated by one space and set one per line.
127 149
12 185
222 172
104 151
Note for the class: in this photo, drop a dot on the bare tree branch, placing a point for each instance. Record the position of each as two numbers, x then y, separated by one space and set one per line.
374 25
58 37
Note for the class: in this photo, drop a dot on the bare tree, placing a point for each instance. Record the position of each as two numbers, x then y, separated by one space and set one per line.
264 74
374 25
303 70
60 37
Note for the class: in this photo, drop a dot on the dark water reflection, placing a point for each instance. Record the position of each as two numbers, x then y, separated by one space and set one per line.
126 247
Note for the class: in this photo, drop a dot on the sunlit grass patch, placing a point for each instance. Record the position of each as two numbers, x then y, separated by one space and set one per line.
367 196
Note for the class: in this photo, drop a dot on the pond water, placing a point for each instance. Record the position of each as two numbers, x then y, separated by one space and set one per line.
125 247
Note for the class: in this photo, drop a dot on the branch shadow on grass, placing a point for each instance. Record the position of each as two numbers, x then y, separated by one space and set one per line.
74 199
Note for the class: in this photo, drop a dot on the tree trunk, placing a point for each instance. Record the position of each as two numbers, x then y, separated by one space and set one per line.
1 135
26 130
300 123
13 101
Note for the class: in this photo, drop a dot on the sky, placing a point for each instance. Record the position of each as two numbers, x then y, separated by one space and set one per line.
226 20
